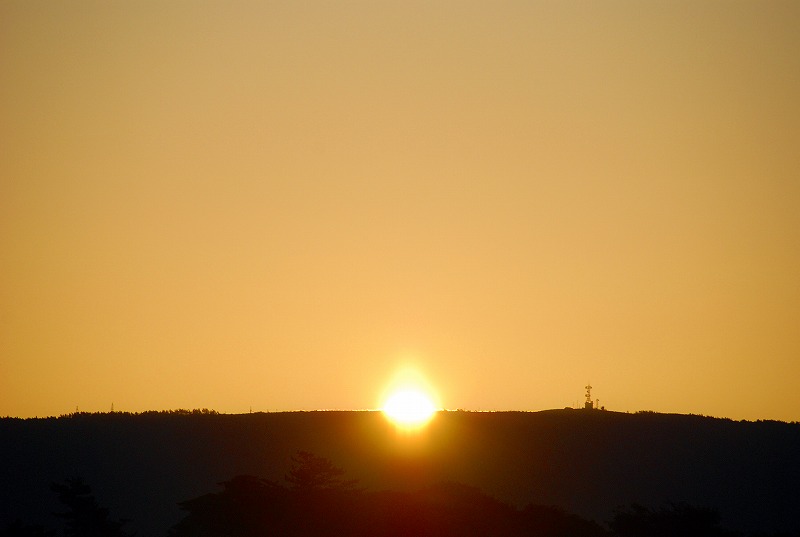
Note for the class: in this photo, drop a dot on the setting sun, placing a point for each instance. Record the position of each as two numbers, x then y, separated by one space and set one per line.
409 408
410 401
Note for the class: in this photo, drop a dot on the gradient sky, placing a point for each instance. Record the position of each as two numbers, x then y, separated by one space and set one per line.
280 204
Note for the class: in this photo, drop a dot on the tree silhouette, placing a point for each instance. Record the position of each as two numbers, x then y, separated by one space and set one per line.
85 518
312 473
246 507
673 519
551 521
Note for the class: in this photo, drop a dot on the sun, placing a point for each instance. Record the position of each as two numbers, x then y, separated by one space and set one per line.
409 401
409 408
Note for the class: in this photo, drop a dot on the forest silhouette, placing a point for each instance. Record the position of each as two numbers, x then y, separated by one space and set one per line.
198 473
318 502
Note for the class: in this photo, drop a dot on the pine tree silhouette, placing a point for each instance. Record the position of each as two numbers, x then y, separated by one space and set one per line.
85 518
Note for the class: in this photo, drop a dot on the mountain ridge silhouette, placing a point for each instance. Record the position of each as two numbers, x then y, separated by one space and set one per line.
588 462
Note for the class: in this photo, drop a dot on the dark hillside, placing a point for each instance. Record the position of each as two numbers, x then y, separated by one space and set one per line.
588 462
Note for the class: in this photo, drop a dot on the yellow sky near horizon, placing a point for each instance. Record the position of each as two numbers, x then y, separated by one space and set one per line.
280 204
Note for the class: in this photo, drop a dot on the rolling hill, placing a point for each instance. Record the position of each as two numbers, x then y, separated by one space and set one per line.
588 462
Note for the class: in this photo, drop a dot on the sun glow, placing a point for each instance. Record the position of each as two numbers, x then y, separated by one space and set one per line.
409 408
409 401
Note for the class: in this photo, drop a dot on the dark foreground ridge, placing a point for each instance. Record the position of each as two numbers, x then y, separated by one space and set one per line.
588 463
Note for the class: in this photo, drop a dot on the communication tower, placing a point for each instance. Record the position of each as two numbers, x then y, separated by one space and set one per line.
588 405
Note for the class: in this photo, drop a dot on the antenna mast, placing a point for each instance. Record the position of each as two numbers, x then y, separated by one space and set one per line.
588 405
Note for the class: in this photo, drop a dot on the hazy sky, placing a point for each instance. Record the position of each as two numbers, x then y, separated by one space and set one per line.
279 204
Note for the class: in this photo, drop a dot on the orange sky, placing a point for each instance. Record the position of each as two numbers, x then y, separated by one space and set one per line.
279 204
